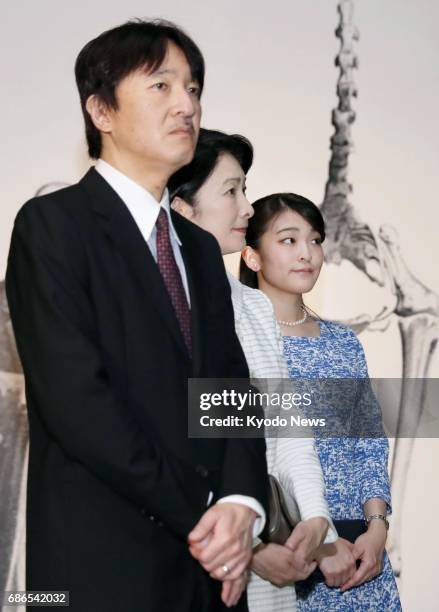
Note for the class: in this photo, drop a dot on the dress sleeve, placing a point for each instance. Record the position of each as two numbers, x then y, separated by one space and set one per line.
371 453
371 456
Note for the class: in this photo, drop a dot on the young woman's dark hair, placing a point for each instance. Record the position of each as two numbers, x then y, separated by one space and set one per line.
266 210
106 60
211 144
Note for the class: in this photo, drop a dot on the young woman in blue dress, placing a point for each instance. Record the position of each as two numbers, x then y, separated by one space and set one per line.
283 258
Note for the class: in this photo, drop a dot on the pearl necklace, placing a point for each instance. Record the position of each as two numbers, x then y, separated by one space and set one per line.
298 322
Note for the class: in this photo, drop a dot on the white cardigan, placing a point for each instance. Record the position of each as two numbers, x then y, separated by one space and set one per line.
293 461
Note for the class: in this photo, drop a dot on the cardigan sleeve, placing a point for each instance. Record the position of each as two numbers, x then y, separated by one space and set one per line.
298 469
293 461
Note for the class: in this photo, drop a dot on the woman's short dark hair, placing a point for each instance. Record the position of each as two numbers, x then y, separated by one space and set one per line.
106 60
186 182
265 212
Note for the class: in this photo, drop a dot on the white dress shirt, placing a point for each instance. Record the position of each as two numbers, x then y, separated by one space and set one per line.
145 209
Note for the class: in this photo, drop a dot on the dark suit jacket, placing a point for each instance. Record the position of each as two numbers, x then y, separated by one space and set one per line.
115 484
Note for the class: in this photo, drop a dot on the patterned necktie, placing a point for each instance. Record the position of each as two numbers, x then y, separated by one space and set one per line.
172 277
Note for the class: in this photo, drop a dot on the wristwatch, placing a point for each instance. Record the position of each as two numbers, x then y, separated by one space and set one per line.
381 517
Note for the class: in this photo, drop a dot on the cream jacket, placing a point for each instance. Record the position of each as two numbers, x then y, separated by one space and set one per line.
293 461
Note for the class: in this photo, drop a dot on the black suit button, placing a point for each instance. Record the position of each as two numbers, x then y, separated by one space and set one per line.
151 517
202 471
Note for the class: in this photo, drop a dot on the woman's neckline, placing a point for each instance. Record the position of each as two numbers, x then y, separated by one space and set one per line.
321 327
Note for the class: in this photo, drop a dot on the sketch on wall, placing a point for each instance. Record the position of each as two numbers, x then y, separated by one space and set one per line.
13 456
378 256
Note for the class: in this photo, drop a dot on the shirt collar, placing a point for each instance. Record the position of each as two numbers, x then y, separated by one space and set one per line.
142 205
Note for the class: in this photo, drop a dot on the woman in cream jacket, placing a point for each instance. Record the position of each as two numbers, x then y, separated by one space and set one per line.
210 191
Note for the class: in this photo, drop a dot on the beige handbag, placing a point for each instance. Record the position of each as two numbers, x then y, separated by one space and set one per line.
281 518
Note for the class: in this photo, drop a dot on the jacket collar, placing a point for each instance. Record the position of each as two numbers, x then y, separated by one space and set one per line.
121 228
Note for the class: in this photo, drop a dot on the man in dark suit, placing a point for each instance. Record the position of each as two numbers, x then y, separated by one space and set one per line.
116 301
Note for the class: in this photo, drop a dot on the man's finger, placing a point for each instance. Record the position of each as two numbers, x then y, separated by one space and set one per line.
204 526
223 547
226 591
219 551
238 588
197 548
232 591
235 569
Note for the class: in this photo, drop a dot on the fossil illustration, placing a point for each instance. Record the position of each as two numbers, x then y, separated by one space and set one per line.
414 305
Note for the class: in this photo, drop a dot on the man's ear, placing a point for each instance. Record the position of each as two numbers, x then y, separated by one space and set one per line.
99 113
251 258
182 207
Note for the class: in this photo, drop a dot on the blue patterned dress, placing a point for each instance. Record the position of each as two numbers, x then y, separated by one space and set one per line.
354 469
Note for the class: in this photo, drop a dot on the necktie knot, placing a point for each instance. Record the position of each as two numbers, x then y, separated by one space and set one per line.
162 222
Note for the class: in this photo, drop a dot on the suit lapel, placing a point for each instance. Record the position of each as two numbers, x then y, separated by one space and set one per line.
122 230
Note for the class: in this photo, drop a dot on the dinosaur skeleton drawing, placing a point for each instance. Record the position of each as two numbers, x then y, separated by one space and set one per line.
13 456
378 256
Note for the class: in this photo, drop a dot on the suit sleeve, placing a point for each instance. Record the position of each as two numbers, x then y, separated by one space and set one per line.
66 382
245 466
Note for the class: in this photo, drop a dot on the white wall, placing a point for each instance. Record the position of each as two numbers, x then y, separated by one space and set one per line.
270 76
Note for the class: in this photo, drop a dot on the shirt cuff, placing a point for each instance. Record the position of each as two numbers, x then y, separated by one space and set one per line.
251 503
331 534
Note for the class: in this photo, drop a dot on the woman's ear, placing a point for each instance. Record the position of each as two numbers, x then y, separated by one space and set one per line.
251 258
99 113
183 208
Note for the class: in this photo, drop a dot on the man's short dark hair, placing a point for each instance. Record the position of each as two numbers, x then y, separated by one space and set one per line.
186 182
106 60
